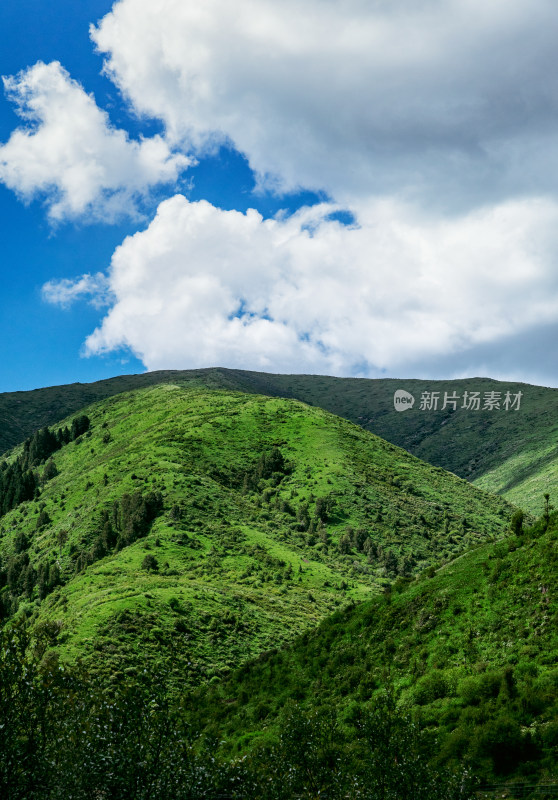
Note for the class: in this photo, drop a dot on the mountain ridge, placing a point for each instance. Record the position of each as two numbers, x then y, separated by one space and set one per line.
514 453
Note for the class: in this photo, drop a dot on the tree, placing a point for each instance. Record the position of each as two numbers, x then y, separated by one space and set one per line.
43 519
50 470
406 565
21 542
395 758
149 563
62 538
516 522
359 539
390 562
39 447
547 509
307 759
303 517
322 509
80 425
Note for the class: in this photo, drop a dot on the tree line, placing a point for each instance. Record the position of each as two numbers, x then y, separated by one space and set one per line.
19 480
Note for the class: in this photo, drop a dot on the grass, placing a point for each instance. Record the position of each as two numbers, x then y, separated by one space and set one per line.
238 571
512 453
471 649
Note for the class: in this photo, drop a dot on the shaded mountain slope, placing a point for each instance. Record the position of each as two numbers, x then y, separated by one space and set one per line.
472 649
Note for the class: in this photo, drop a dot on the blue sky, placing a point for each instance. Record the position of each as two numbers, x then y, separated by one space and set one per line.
45 350
43 343
399 160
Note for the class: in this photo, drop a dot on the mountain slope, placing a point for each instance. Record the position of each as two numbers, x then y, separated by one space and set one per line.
513 453
473 650
201 527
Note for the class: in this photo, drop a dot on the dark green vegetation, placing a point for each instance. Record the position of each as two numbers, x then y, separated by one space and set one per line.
18 481
197 529
65 736
208 593
512 453
472 651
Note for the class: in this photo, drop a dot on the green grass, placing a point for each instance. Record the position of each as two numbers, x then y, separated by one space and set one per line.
512 453
472 650
237 575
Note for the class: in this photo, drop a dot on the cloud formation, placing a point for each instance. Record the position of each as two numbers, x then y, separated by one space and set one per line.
68 152
201 287
433 121
450 101
65 292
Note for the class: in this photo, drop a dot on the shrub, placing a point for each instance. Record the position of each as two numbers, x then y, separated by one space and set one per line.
501 740
149 563
50 470
474 689
430 687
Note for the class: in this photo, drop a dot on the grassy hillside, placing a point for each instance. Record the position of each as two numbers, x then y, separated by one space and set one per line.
508 452
471 649
200 528
22 413
512 453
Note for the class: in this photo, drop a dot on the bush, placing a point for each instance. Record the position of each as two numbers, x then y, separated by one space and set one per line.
432 686
475 689
149 563
501 740
50 470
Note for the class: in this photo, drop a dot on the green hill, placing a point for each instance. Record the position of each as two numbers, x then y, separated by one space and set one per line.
472 649
512 453
199 528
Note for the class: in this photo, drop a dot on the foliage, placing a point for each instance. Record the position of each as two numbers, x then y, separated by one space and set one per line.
263 516
67 736
472 656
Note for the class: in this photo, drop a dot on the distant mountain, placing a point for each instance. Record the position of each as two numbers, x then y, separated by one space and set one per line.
177 524
510 452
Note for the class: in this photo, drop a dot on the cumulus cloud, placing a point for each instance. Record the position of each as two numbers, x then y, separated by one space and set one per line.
202 286
452 101
433 121
68 152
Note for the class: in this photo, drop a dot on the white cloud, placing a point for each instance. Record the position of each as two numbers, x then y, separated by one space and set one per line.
202 287
453 100
69 153
433 120
65 292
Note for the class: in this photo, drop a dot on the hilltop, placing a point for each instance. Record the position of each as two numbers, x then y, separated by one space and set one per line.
512 453
198 528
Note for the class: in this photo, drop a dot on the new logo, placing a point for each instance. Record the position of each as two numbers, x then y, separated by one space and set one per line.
402 400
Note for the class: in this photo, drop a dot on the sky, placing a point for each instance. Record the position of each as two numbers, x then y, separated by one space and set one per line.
344 187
